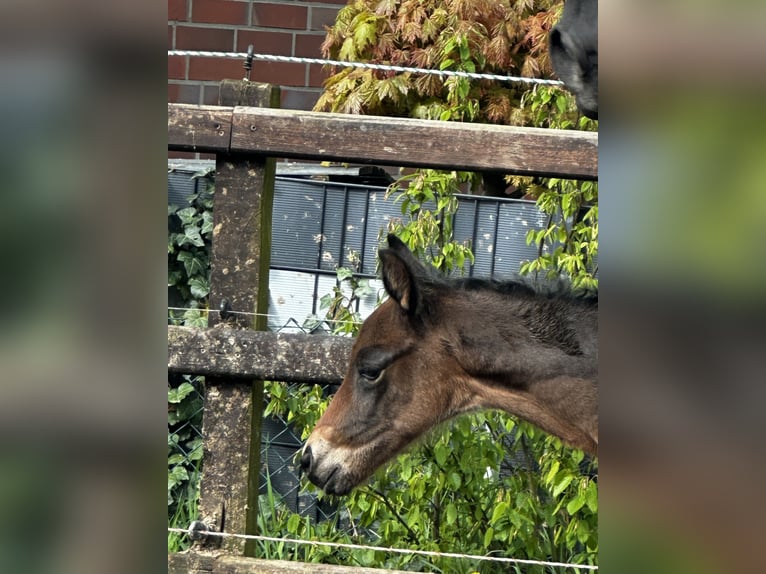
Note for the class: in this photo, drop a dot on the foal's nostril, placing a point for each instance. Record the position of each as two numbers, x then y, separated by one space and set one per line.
306 459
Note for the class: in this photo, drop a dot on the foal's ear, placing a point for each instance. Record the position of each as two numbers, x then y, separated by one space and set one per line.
401 269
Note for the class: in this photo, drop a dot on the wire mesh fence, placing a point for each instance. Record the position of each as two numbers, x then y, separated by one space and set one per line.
319 225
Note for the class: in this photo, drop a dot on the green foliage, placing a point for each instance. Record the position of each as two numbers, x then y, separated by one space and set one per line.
454 492
449 493
341 304
189 238
484 484
429 205
190 231
569 245
467 35
474 36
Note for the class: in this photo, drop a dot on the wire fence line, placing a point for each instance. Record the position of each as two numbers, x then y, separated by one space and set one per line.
308 325
366 65
427 553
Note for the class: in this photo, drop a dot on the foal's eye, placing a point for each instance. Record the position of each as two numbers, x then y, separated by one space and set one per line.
371 374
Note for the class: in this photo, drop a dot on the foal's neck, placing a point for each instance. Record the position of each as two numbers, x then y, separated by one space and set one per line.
538 360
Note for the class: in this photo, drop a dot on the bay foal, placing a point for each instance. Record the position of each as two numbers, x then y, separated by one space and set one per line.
438 348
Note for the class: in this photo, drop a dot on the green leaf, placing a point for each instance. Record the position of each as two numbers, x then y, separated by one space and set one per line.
451 513
562 485
344 273
576 503
193 264
591 496
192 236
465 53
207 223
489 534
188 216
180 393
348 50
441 452
293 523
550 475
176 459
500 512
199 287
365 35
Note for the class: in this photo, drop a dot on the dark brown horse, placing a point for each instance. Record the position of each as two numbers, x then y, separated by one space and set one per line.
438 348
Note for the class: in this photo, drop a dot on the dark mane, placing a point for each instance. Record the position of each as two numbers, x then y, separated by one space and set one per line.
527 287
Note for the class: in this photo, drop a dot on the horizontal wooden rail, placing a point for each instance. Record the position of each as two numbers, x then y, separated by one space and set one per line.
222 351
193 562
381 140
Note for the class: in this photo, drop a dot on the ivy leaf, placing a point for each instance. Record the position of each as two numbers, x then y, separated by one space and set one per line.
193 264
344 273
192 236
199 287
207 223
187 215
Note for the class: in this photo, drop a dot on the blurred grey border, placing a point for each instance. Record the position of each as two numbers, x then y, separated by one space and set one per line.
683 277
83 338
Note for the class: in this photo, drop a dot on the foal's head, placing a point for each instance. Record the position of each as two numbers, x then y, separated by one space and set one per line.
415 363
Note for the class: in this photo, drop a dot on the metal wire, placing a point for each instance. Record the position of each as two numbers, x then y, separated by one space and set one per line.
365 65
430 553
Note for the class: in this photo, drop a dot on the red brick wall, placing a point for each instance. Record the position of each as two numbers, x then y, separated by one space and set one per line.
279 27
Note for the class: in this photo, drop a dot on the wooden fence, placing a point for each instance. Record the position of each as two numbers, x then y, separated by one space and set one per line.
235 353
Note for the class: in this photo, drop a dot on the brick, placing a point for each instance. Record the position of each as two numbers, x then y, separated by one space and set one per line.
292 99
317 75
271 15
177 10
192 38
307 45
170 37
213 69
319 18
279 73
220 12
172 93
278 43
183 93
177 67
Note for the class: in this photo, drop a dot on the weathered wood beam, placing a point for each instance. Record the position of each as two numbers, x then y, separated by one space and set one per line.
192 562
199 128
294 357
389 141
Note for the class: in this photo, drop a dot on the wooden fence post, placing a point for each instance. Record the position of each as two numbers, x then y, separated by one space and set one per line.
239 279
